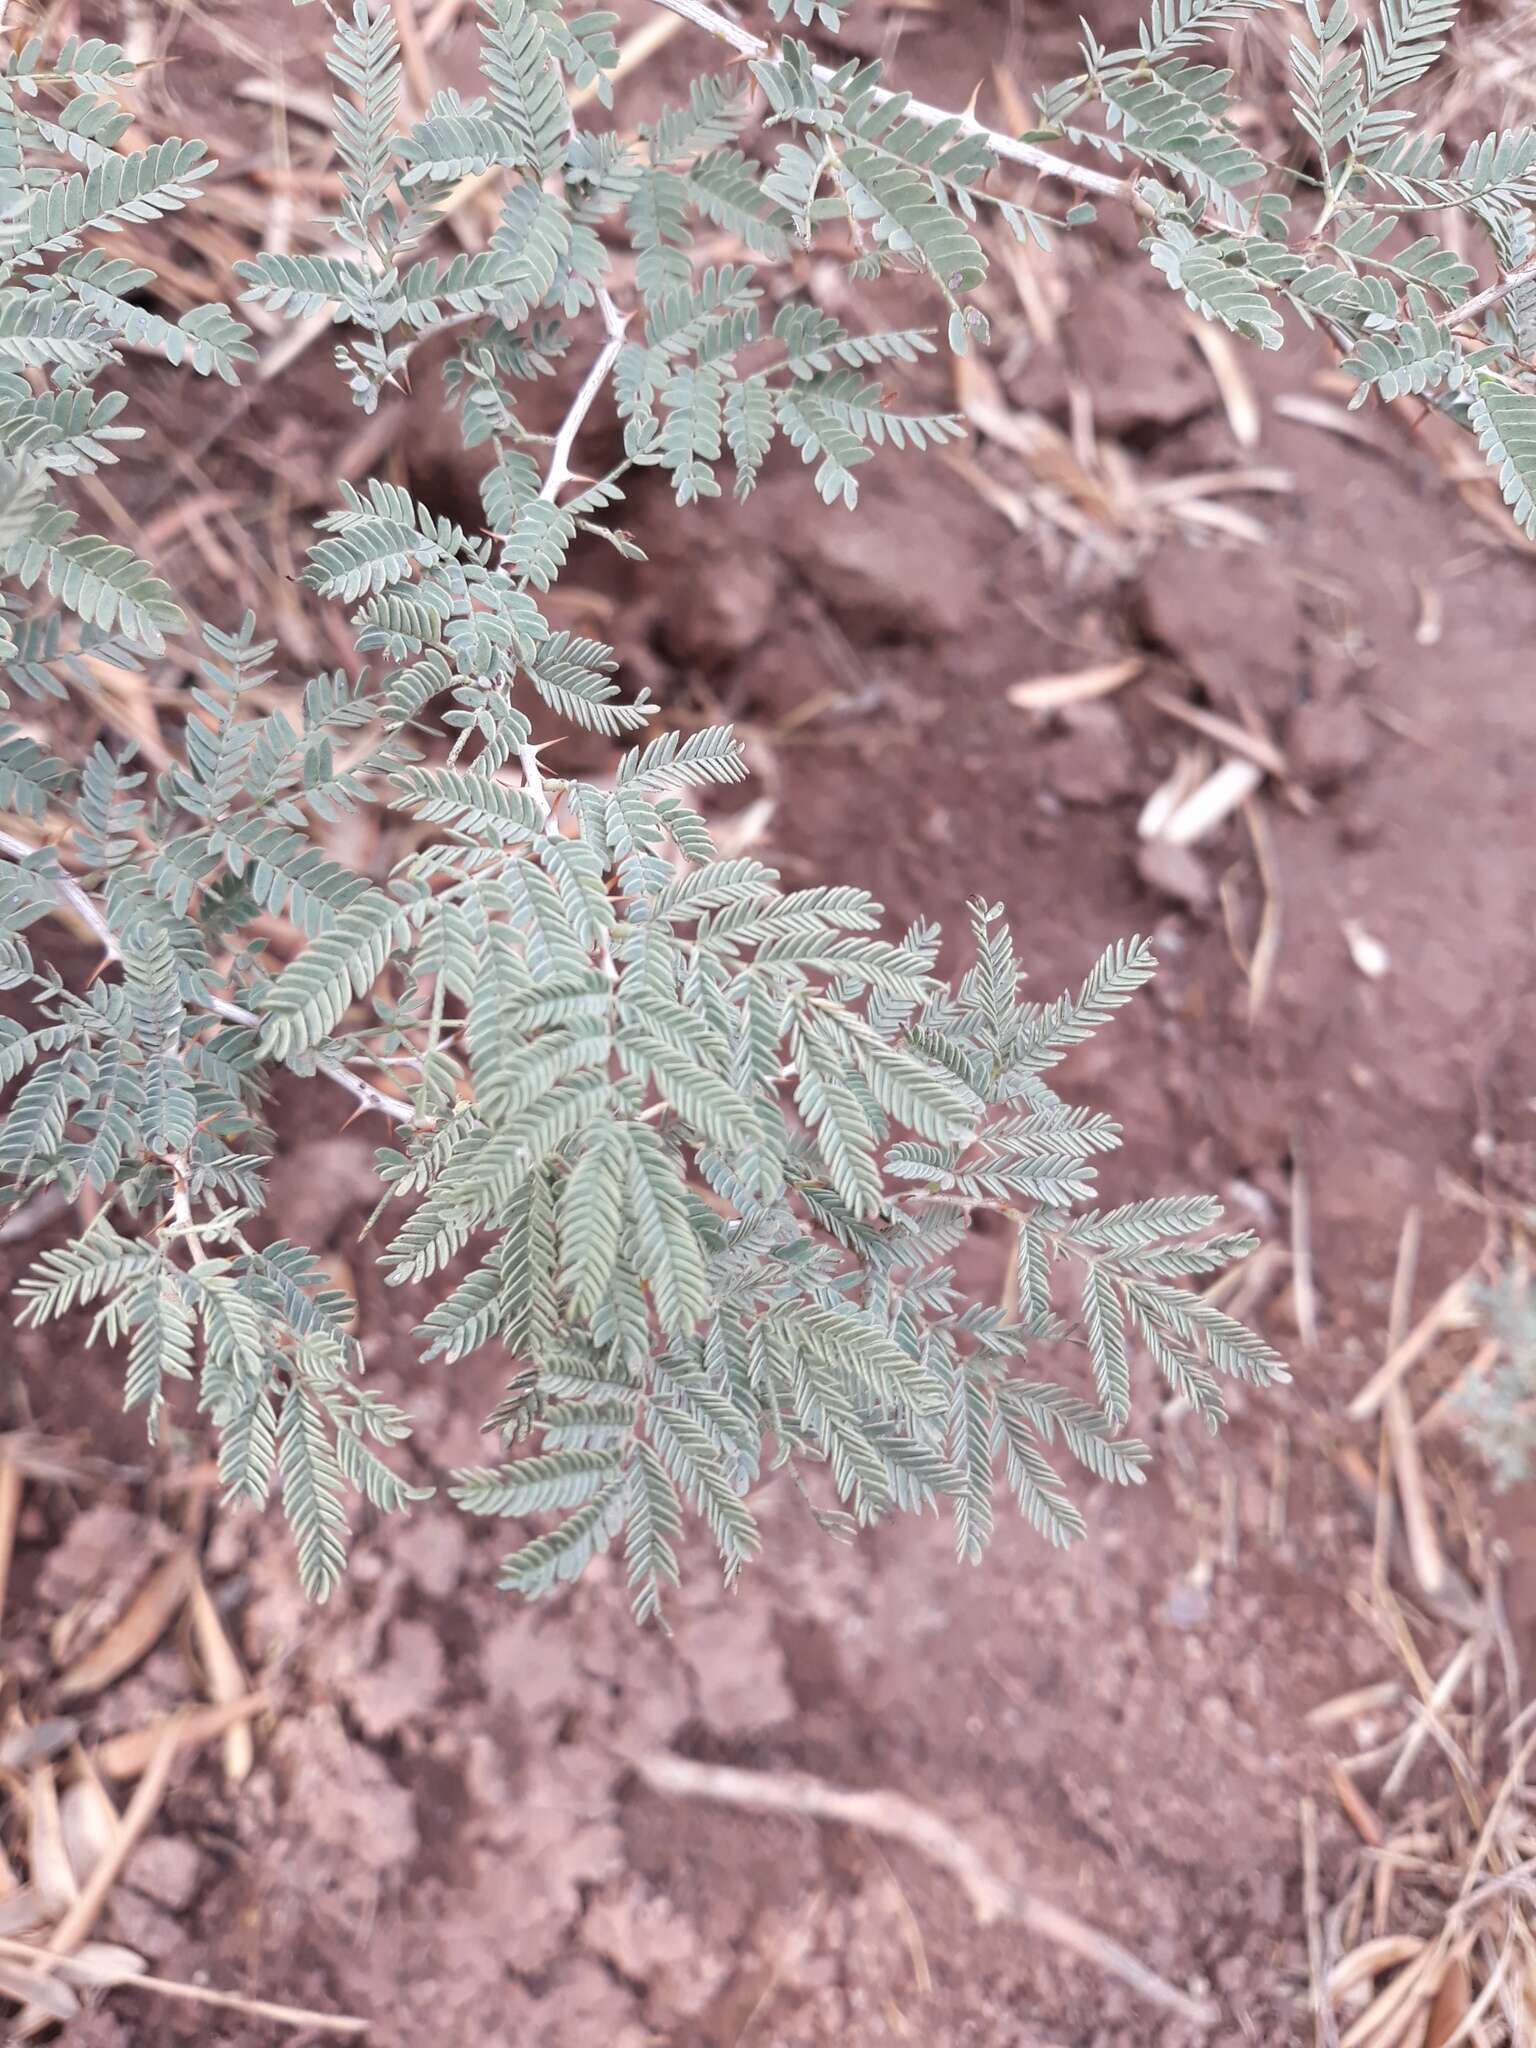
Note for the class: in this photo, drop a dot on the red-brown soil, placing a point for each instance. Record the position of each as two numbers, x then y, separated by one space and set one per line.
441 1832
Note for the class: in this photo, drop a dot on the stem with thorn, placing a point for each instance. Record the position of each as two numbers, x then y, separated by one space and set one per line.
1481 301
90 915
181 1207
560 471
1029 154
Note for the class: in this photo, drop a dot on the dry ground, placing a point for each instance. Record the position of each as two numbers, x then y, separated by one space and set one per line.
439 1824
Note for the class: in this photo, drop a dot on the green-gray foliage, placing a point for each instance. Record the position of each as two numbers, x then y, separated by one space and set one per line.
692 1151
1497 1406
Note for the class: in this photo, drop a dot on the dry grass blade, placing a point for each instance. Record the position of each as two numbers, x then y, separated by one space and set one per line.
10 1509
1053 692
1266 945
1013 505
1439 1699
226 1678
1397 1419
1303 1285
1448 2015
30 1988
81 1915
1208 806
1311 1896
89 1822
52 1873
1449 1310
1231 379
93 1965
1441 1413
136 1633
1257 747
634 51
125 1756
1362 1816
1449 1893
1372 1959
1189 771
1392 2012
979 395
1332 419
892 1814
1212 483
1351 1706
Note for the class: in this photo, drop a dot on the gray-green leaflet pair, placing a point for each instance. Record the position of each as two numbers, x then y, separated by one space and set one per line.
692 1152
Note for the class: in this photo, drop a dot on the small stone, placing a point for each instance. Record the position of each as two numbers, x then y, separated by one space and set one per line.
166 1869
1091 763
1177 872
1330 742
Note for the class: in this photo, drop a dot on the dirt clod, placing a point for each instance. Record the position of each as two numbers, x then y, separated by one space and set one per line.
404 1687
888 579
1091 763
168 1869
1177 872
1330 742
1232 617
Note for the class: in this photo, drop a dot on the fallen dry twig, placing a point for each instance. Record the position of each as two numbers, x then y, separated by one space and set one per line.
198 1994
1424 1549
135 1633
226 1678
892 1814
1447 1310
125 1756
80 1916
10 1508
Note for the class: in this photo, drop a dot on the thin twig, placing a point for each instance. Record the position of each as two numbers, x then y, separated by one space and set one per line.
1303 1287
1424 1550
81 1915
181 1207
10 1510
1322 2006
199 1994
560 471
892 1813
533 780
127 1756
1469 308
1451 1304
71 893
1027 153
93 918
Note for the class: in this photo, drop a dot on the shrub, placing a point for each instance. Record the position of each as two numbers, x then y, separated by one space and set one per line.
1497 1409
692 1150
